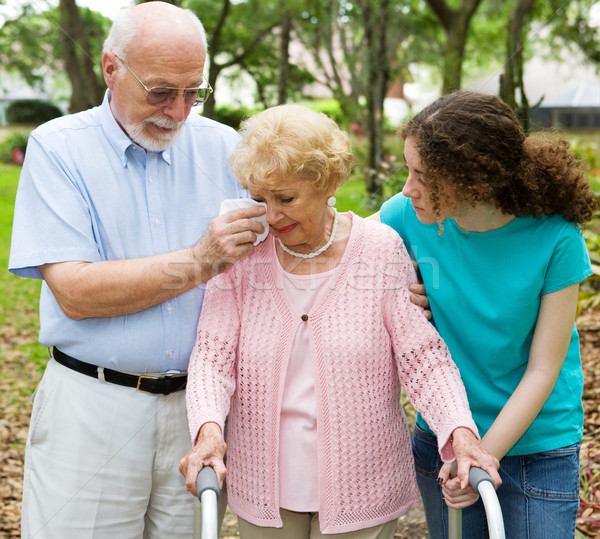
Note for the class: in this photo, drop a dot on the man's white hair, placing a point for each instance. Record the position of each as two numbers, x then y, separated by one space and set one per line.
126 29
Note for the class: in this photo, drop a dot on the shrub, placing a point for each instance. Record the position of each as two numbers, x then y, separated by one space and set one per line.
329 107
232 116
12 148
31 112
587 151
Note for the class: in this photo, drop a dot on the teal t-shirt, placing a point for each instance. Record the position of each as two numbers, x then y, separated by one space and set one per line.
485 290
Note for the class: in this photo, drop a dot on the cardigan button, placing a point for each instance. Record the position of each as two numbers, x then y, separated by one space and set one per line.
304 317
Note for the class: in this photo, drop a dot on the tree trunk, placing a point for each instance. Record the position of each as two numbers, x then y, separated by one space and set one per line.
284 54
208 109
86 92
511 80
378 74
456 24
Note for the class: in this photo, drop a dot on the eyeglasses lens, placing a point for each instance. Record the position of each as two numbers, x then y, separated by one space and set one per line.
163 96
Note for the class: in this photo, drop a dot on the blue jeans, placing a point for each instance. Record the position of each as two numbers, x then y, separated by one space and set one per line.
539 495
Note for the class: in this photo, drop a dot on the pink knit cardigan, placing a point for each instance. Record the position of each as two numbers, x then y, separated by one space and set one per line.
366 339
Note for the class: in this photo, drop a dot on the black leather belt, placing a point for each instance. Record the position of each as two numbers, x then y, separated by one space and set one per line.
164 384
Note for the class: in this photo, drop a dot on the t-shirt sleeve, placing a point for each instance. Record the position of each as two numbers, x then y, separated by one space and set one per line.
392 211
570 261
52 219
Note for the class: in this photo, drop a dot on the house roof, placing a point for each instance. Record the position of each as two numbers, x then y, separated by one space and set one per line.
584 95
547 79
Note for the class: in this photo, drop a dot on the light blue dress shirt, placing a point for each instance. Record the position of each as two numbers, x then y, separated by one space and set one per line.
88 193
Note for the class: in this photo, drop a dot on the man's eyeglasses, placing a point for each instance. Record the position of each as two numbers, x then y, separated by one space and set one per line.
160 97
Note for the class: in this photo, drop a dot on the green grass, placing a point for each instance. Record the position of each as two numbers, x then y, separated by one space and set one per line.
595 183
353 196
19 324
17 292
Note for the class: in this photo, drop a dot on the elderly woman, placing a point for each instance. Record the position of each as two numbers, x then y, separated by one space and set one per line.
304 347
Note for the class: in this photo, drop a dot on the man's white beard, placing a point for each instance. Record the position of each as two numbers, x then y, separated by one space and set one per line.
159 141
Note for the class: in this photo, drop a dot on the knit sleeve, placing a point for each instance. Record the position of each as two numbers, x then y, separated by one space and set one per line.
211 371
427 373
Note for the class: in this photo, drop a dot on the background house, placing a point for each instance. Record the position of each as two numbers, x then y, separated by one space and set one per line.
579 108
565 91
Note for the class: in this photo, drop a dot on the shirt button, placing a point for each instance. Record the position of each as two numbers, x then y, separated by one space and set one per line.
304 317
170 354
151 179
157 222
169 308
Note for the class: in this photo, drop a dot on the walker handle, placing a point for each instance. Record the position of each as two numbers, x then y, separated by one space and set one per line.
206 513
483 484
476 476
207 480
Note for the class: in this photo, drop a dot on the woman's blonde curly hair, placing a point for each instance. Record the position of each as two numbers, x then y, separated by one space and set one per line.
473 144
291 142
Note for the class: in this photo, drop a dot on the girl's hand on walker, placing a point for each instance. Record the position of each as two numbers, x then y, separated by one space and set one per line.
455 496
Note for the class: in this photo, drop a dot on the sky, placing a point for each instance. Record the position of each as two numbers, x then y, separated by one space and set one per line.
108 8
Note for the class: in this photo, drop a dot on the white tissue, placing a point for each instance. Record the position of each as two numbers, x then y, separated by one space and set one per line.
240 203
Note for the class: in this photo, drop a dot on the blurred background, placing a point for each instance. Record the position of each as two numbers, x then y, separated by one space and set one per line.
368 64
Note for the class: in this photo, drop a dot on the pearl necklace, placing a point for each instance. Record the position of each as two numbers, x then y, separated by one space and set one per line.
318 251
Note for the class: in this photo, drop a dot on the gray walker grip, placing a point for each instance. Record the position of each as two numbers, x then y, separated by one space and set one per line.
482 484
476 476
206 513
207 480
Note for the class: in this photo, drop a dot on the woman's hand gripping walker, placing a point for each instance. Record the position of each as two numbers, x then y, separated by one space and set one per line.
481 483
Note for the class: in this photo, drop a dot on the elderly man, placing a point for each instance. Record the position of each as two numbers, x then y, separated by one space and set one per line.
116 212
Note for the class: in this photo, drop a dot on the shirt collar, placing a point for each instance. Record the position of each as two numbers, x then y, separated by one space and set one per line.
118 138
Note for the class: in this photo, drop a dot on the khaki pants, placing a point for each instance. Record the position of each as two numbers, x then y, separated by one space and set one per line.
306 526
102 462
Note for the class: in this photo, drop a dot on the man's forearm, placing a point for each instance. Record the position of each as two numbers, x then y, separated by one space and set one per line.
120 287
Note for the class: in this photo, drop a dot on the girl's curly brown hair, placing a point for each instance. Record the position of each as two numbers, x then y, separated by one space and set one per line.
474 144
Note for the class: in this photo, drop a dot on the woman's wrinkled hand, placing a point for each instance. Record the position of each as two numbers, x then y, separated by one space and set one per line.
209 450
468 452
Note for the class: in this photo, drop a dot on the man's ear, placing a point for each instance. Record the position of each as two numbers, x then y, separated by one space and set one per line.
109 68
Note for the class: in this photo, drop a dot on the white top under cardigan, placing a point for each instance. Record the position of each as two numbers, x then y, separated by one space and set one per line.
298 455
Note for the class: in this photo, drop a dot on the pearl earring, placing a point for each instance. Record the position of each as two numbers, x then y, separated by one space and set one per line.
331 201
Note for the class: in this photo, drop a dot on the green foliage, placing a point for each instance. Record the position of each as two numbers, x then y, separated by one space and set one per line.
31 112
242 34
331 108
588 151
353 196
30 44
232 116
568 28
14 141
589 294
392 175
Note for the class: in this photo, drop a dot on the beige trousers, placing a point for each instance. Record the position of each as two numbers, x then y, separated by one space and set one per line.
101 462
306 526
